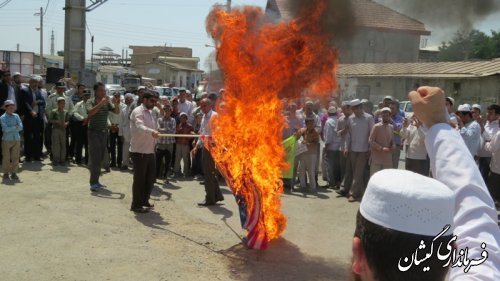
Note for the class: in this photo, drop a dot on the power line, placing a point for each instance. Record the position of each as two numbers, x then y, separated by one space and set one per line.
4 3
46 6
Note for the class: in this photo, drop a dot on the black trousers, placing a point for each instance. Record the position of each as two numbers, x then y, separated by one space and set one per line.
163 154
484 167
418 166
47 137
79 140
115 149
144 178
212 189
494 186
32 132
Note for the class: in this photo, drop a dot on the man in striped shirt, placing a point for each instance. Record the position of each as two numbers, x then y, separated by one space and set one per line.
97 110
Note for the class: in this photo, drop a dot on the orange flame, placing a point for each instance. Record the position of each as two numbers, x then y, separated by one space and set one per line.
263 62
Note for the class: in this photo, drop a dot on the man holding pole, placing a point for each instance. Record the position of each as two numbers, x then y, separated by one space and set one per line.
143 132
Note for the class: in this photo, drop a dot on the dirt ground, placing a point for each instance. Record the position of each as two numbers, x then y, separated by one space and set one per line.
53 228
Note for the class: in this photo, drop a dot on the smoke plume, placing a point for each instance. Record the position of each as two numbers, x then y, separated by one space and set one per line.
337 20
448 15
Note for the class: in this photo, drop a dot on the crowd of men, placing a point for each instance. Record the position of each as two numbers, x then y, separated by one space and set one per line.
360 141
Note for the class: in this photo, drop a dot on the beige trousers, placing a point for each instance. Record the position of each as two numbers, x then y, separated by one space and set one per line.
10 151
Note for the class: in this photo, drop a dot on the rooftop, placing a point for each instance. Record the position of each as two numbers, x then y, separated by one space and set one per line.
369 14
461 69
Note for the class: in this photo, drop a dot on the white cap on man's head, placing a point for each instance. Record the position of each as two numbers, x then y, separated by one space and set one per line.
464 108
408 202
8 102
141 88
476 106
355 102
385 109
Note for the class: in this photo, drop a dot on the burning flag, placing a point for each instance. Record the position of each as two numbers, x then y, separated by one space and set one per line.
263 62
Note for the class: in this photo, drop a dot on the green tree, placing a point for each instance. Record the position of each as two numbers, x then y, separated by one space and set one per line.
60 53
470 45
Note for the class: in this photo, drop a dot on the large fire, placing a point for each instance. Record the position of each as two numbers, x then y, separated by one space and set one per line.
263 62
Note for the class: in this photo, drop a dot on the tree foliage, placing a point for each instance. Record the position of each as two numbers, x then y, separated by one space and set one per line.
471 45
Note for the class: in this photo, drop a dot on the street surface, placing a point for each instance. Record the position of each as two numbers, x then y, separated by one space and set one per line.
53 228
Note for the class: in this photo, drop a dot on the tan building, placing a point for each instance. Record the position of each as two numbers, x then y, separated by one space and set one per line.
466 81
167 65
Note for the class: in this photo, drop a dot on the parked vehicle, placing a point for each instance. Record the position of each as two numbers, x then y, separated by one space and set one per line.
407 108
131 82
168 92
111 89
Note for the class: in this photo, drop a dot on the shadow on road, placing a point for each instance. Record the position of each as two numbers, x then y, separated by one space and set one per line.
151 219
282 261
108 194
32 166
159 192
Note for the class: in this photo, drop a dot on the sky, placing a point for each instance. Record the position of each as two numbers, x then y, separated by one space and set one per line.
120 23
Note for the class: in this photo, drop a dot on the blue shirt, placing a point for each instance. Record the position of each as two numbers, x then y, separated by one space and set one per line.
11 126
397 123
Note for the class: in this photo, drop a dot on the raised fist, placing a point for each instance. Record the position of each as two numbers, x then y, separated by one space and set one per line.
429 105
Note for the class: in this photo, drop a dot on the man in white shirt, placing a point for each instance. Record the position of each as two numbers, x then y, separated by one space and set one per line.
488 131
360 126
469 129
416 154
144 132
213 193
493 147
185 106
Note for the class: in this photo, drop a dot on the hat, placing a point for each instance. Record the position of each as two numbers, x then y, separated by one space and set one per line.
364 101
385 109
60 85
476 106
61 99
34 78
388 98
451 100
332 110
345 103
408 202
183 114
141 88
182 89
16 74
116 93
129 96
309 102
221 90
355 102
8 102
464 108
188 92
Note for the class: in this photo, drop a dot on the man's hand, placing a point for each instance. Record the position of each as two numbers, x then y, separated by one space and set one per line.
104 100
34 114
429 105
155 134
386 149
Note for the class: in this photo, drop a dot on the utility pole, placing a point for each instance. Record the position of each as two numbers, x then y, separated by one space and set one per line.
41 40
52 38
228 5
74 34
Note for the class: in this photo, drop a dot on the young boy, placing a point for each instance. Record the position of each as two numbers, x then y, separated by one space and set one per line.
165 146
182 145
309 158
11 140
59 119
